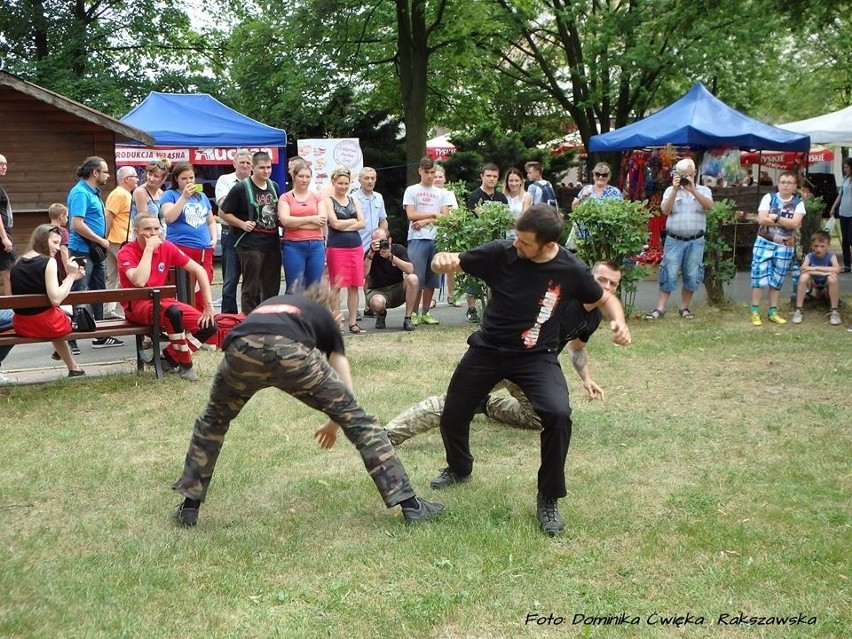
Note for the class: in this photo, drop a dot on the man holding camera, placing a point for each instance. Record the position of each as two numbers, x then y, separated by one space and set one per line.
685 204
390 279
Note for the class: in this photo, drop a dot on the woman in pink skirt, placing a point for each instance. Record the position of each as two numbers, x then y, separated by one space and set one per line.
344 255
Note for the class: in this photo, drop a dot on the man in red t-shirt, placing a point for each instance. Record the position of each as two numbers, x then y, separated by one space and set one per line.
146 262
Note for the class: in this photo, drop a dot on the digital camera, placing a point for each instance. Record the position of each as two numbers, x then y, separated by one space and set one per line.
383 244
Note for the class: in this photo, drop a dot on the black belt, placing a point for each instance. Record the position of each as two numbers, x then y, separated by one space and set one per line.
687 238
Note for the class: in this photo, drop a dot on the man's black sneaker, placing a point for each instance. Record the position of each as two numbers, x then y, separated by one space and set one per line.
75 350
425 510
369 312
471 316
185 516
380 319
408 325
549 519
447 478
106 342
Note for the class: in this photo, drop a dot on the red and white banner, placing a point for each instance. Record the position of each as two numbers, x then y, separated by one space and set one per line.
140 155
785 159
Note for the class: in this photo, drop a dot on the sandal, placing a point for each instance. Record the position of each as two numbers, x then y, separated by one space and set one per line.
357 330
655 314
685 313
454 304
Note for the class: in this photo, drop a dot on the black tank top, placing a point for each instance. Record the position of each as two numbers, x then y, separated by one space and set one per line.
27 277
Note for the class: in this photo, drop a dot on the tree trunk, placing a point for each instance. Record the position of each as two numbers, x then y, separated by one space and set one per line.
412 65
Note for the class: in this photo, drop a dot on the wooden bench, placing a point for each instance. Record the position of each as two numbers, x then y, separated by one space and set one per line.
104 328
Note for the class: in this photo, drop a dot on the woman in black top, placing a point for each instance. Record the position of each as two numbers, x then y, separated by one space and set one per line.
35 272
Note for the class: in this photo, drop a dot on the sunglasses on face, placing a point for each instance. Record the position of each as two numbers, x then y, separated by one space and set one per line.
601 174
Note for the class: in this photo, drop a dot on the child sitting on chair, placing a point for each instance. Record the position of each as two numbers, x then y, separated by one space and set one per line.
819 271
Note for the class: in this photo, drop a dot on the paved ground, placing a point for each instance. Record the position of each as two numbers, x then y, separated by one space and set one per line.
31 364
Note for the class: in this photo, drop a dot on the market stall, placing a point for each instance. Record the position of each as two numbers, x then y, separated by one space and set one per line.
699 121
197 128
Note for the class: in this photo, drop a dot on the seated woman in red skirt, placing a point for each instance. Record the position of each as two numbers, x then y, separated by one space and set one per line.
344 255
35 272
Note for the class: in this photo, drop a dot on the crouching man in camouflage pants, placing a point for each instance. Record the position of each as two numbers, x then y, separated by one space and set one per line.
293 343
576 327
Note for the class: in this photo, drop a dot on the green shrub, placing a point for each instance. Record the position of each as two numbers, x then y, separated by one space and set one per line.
462 230
617 230
719 265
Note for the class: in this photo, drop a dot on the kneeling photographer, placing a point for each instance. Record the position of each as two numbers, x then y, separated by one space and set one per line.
391 281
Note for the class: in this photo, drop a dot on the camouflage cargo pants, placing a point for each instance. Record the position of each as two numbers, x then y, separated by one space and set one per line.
255 362
514 410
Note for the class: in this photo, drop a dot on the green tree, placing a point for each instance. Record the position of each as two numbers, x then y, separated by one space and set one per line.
107 53
608 63
406 58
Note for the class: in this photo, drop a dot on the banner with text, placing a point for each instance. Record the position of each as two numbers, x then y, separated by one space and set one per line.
140 155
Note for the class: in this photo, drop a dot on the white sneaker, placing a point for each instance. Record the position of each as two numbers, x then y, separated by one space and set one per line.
797 317
834 318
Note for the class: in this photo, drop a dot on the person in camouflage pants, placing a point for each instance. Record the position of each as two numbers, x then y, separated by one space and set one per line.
261 354
515 410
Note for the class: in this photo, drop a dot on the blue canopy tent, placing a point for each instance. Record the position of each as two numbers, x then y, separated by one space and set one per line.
200 120
701 121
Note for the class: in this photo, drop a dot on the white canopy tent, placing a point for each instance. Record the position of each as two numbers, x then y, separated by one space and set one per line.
832 129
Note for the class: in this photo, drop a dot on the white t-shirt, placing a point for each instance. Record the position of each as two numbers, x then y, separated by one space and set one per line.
424 199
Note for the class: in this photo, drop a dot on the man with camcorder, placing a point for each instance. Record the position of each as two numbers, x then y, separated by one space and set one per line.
390 278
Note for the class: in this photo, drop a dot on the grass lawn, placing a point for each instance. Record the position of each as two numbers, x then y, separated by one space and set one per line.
714 480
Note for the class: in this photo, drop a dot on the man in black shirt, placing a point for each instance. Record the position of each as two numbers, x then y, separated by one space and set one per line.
577 324
390 279
487 190
530 279
293 343
251 210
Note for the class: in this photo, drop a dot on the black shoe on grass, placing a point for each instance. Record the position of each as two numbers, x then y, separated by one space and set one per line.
186 515
447 478
425 510
547 513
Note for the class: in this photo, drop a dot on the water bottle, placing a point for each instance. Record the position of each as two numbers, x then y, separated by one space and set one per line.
795 280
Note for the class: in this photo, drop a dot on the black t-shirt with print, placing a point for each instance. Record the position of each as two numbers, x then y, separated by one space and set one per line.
265 236
527 298
296 317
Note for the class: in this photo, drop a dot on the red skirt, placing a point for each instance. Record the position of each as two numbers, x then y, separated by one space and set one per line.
345 266
50 324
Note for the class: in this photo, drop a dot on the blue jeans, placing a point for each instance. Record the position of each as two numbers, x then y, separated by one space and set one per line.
304 262
94 280
230 272
5 323
687 257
